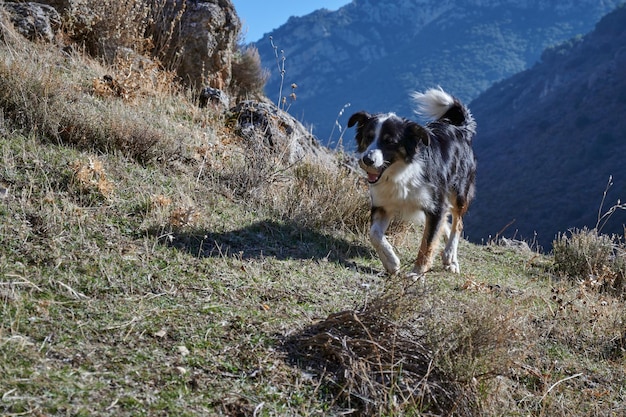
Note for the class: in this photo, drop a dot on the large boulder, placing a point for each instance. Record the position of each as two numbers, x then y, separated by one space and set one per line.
195 38
267 128
34 21
203 44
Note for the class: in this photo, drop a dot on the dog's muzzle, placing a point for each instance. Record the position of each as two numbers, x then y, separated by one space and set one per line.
372 163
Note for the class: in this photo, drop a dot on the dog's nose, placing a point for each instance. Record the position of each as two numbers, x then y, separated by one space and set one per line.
367 160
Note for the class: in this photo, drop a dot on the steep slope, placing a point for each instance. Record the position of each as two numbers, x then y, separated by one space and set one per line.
370 54
550 138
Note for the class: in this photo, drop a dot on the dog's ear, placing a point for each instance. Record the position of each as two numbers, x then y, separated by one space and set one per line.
359 118
414 136
417 133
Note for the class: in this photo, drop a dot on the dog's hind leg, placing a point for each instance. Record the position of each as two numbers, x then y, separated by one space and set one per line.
380 221
433 228
450 257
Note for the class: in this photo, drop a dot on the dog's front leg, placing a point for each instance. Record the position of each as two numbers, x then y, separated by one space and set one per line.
433 226
450 258
380 220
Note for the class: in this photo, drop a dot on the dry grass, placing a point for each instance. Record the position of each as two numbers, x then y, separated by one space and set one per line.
594 260
59 95
321 198
106 26
150 264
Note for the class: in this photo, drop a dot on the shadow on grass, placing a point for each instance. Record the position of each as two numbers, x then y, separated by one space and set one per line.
264 239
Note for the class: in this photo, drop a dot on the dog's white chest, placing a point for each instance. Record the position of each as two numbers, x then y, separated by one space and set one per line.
402 192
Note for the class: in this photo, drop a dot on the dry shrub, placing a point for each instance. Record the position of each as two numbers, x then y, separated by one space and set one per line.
322 197
585 321
90 180
479 341
405 353
106 132
170 214
248 75
380 361
105 26
317 196
593 259
248 172
132 76
146 27
183 216
312 196
124 34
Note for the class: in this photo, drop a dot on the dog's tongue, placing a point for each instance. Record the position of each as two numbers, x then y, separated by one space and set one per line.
372 176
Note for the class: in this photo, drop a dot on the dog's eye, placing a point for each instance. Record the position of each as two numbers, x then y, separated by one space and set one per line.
387 138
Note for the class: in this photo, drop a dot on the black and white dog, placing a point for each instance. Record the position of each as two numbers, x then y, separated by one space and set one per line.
419 173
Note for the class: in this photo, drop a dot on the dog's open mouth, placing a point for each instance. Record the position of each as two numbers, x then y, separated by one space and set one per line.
374 175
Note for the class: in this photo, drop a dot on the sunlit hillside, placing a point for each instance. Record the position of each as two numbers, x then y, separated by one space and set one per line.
160 258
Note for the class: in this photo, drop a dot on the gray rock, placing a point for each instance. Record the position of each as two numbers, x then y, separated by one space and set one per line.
264 124
34 20
204 43
213 95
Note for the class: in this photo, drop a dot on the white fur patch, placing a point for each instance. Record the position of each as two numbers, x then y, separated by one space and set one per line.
433 103
403 191
376 156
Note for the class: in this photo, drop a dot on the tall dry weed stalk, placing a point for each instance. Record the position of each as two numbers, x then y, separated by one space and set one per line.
603 218
280 64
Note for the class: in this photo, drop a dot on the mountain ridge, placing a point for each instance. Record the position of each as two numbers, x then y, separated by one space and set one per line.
555 134
336 57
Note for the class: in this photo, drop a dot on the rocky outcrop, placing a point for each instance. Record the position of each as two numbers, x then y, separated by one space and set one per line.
204 41
196 38
34 21
265 125
210 95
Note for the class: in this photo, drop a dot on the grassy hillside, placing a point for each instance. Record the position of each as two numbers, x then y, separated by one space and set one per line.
151 264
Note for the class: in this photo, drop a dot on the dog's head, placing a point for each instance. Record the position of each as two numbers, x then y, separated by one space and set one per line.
385 139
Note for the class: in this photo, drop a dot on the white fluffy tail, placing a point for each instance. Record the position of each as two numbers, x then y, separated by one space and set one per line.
433 103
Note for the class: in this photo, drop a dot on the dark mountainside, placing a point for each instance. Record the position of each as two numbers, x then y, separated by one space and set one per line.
550 137
371 54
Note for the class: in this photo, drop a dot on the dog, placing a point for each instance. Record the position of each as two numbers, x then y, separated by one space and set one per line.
424 173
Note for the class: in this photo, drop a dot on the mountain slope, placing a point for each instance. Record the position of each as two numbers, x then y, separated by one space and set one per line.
371 54
160 259
549 139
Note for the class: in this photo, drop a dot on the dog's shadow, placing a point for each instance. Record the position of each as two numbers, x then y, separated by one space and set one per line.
264 239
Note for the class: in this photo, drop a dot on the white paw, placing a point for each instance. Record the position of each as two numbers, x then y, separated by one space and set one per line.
392 265
392 270
420 269
416 277
453 267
